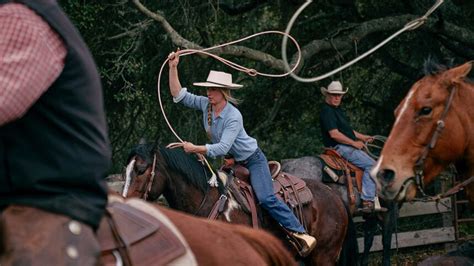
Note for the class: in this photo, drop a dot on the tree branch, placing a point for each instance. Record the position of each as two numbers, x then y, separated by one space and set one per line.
337 41
457 48
240 8
397 66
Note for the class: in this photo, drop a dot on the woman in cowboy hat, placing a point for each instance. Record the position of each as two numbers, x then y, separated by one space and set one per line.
338 133
223 124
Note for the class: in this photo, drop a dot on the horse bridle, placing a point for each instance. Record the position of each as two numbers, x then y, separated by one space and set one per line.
440 125
150 179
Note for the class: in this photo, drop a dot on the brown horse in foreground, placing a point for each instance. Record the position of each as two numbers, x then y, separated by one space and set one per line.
211 242
183 182
218 243
434 127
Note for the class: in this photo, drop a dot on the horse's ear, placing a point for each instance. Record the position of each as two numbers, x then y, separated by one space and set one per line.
458 73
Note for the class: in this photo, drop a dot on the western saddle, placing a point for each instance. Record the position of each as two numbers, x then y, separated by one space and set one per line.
336 169
136 238
290 189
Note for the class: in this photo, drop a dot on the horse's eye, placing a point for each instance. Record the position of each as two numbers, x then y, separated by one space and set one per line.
141 168
425 111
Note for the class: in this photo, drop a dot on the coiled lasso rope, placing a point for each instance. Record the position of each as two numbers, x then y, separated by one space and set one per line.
414 24
249 71
374 148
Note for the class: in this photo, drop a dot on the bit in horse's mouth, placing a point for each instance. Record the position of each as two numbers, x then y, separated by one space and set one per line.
397 195
403 189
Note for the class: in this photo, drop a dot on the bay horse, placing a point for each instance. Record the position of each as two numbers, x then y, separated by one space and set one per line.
434 127
311 168
182 180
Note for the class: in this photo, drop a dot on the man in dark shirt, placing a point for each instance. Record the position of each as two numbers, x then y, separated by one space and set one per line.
338 133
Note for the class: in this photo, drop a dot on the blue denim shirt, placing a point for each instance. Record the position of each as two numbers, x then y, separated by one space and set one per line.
227 130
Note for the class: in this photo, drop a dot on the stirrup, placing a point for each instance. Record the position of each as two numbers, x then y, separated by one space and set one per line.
377 206
303 243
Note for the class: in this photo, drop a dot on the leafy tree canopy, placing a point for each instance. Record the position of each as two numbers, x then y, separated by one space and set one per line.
131 39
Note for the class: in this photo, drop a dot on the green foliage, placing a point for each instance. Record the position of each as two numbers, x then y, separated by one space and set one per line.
282 114
376 8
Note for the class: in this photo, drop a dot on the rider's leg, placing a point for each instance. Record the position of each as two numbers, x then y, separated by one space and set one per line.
261 180
362 160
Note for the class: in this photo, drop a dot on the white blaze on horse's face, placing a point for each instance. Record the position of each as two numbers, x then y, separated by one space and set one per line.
393 170
416 120
128 177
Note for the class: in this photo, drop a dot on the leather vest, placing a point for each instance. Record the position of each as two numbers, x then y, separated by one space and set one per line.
55 157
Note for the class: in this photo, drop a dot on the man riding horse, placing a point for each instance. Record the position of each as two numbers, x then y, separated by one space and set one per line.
54 149
337 133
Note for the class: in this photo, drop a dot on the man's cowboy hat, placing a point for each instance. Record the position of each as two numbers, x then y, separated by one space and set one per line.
218 79
334 88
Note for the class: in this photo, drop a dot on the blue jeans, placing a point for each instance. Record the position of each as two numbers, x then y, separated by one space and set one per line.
261 180
362 160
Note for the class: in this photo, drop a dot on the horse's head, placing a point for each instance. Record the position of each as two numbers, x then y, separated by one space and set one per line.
427 134
153 171
141 174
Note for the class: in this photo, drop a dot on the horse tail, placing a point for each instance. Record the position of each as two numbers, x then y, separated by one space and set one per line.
271 249
350 249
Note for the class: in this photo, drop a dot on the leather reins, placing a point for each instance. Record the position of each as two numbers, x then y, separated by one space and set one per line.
150 179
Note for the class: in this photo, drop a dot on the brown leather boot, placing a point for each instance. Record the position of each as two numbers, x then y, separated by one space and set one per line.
306 243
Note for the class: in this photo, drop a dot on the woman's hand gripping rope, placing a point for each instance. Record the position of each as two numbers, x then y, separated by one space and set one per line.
213 180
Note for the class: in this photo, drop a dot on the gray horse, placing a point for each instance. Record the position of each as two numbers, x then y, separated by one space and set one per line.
310 167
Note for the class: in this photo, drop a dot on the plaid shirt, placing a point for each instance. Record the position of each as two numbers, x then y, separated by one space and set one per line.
31 58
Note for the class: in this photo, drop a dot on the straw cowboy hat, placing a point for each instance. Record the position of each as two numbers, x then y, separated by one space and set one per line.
334 88
218 79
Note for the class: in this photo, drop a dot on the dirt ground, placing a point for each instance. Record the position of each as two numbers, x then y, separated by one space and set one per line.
408 256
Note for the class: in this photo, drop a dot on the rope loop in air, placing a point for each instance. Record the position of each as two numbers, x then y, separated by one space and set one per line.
414 24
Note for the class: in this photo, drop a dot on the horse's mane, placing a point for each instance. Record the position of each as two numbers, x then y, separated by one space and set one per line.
432 66
176 159
187 165
142 150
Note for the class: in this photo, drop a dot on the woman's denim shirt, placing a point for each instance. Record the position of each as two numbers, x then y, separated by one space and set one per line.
227 130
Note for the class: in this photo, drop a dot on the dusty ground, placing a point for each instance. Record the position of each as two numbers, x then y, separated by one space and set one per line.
408 256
